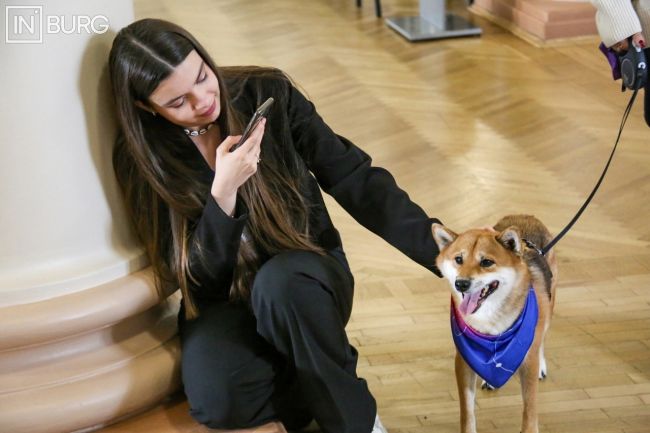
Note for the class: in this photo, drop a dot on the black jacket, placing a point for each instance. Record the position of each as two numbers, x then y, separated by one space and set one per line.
369 194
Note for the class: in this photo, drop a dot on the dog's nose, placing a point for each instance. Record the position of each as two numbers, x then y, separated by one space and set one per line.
462 284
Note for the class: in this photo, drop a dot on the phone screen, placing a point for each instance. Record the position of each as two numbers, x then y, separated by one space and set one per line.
259 114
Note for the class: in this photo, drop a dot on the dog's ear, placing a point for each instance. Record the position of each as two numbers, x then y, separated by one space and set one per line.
510 239
442 235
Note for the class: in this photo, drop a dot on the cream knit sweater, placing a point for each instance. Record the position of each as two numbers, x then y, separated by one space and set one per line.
618 19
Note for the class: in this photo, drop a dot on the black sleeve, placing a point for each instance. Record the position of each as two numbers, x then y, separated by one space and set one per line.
369 194
213 249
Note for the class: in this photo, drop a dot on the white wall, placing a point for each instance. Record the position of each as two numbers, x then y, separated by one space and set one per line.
80 327
62 225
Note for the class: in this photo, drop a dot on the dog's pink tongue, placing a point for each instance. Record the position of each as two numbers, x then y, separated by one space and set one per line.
469 303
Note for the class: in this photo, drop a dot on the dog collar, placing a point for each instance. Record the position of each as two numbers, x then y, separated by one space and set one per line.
496 357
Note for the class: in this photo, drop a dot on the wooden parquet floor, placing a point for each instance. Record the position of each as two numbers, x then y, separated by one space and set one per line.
473 129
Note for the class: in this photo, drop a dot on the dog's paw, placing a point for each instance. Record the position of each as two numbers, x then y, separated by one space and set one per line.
486 386
542 369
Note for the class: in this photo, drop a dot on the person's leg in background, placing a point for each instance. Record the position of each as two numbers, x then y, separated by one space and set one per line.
302 302
646 101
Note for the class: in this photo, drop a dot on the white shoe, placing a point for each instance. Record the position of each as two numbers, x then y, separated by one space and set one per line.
379 427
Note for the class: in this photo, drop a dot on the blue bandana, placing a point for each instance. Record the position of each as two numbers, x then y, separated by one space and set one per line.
496 357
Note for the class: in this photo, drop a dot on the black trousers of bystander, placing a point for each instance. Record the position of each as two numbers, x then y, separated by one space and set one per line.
646 102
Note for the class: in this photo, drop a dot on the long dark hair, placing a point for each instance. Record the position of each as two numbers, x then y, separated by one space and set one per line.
162 195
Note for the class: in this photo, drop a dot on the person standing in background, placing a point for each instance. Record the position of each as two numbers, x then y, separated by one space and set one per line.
617 20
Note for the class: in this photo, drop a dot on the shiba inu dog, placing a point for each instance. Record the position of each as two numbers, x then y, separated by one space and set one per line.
502 297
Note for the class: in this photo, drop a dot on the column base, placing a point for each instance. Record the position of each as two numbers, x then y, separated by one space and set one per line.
416 28
86 359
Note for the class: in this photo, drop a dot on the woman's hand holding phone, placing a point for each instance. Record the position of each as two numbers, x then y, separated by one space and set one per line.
234 168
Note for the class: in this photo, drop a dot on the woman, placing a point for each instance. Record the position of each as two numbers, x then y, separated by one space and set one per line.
267 290
617 20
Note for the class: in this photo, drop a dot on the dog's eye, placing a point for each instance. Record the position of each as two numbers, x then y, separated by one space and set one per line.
459 260
486 263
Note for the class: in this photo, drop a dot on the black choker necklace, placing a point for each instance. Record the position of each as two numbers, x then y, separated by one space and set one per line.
201 131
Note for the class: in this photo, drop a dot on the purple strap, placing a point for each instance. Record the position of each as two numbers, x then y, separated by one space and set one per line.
612 58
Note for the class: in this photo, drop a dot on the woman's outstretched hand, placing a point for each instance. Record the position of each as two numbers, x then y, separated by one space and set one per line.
232 169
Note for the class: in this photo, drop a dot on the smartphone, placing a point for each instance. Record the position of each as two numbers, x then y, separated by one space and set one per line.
259 114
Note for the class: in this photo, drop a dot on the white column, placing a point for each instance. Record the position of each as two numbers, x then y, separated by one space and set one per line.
63 226
85 337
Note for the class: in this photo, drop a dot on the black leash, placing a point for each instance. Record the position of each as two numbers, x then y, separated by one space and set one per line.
547 248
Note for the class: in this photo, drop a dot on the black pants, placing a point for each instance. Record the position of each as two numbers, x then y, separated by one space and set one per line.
286 357
646 91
